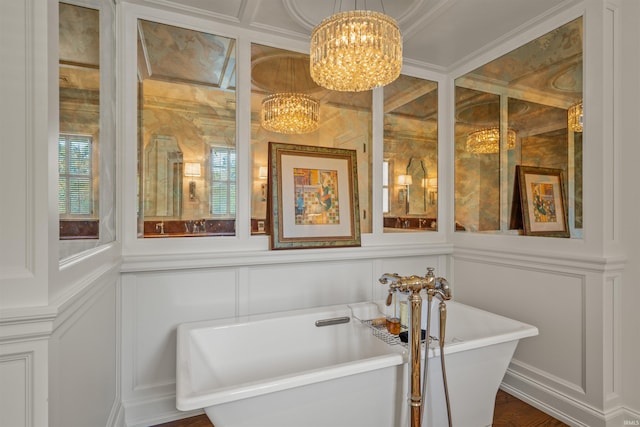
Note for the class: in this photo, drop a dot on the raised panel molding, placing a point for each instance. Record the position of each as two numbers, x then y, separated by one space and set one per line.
612 326
16 120
551 299
23 24
16 402
24 384
582 297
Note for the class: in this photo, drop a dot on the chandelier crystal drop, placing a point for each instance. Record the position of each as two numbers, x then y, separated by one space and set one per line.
356 50
575 117
290 113
487 141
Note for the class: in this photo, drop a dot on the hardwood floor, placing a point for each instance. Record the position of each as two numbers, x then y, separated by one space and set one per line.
512 412
508 412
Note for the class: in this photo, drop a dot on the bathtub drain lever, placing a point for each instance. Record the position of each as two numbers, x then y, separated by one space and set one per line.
333 321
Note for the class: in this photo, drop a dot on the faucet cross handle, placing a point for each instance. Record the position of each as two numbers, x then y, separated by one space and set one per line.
442 288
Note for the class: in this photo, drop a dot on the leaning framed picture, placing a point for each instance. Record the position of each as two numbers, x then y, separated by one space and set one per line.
544 211
313 197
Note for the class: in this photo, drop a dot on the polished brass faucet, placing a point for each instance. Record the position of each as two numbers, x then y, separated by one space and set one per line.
413 285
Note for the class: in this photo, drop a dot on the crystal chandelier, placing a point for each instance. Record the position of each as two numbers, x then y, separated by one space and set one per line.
356 50
574 117
290 113
486 141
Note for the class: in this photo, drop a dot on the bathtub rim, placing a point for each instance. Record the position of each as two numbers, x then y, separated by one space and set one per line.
520 330
187 400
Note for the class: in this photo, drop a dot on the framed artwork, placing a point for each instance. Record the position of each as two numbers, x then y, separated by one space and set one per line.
313 197
544 211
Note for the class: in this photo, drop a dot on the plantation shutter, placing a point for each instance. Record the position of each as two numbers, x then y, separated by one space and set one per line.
75 175
223 181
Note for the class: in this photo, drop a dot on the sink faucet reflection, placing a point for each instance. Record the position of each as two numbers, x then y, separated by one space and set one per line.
160 227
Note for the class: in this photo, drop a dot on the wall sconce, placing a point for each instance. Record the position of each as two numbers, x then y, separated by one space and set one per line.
192 170
263 174
431 184
406 181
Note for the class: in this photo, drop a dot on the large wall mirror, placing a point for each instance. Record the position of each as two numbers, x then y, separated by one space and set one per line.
410 168
344 122
86 146
187 132
524 108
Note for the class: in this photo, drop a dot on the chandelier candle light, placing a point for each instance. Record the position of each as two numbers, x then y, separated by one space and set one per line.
487 141
356 50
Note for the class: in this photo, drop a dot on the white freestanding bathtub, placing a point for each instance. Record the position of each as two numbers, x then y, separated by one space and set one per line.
281 369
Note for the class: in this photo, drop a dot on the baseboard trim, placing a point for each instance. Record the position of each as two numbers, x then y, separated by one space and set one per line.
154 410
116 416
561 406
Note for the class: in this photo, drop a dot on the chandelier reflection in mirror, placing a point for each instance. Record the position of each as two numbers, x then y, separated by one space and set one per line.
575 117
356 50
487 141
290 113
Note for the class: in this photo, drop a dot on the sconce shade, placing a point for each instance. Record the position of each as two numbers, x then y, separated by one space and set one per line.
262 172
575 117
191 169
487 141
430 183
405 180
356 50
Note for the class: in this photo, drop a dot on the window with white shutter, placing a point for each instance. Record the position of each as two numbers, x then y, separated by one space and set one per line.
75 193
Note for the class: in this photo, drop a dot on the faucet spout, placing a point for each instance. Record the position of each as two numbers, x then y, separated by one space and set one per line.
442 289
160 227
389 277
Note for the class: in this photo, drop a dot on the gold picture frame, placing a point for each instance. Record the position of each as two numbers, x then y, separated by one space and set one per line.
542 201
313 197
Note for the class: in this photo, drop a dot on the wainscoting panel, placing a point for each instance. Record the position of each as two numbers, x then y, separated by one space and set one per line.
83 367
164 300
274 288
23 383
551 301
16 401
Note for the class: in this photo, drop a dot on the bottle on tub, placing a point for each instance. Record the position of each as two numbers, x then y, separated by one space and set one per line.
393 319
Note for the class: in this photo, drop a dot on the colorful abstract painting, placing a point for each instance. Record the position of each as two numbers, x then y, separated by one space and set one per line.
316 196
544 202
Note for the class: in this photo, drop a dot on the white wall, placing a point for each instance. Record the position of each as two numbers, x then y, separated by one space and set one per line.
630 201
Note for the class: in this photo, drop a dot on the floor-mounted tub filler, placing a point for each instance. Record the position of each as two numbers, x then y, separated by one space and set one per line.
332 367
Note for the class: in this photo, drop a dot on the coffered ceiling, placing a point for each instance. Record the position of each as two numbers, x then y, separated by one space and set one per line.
439 34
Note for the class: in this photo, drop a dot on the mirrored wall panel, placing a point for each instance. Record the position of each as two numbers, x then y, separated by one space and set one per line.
410 162
522 109
187 132
281 79
86 147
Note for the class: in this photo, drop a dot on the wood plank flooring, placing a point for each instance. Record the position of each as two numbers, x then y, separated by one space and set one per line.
508 412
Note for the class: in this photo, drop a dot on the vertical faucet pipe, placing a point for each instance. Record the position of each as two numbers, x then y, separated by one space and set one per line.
443 321
416 402
425 373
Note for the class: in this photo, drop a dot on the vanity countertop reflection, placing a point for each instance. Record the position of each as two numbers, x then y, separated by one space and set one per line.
189 228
